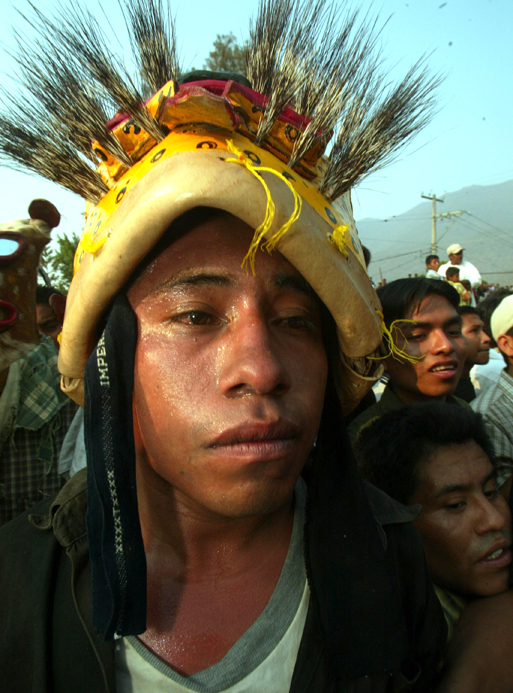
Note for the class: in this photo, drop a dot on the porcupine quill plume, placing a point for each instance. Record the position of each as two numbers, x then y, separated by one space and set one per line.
335 79
101 68
72 88
153 40
300 54
25 148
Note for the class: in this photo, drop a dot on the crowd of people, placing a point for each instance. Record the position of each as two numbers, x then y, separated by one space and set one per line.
224 470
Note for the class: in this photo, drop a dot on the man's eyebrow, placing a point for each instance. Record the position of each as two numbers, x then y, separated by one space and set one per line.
456 320
294 282
454 488
184 281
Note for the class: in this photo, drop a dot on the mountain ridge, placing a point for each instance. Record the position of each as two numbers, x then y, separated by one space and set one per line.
400 243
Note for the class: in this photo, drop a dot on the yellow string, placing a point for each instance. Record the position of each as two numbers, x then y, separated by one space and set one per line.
393 350
270 210
339 239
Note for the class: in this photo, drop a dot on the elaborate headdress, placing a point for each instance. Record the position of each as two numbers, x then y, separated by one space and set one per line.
253 148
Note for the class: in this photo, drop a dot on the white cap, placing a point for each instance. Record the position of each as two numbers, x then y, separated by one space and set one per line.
454 248
502 317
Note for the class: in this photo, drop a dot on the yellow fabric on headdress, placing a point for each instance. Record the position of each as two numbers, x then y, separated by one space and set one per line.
270 208
388 337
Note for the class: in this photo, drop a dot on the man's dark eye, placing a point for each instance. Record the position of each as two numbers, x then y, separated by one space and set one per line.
194 317
298 322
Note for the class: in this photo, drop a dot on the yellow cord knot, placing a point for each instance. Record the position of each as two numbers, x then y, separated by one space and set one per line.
388 338
270 211
338 237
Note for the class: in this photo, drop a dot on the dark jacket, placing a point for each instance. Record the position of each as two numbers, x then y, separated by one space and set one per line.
47 644
388 401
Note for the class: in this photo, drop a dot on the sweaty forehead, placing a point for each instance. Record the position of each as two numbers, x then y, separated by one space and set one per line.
212 253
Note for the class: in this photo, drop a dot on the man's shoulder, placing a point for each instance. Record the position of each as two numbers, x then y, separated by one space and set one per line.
499 395
59 519
387 402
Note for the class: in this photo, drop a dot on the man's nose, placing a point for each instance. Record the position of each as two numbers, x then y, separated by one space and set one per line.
491 519
253 360
441 343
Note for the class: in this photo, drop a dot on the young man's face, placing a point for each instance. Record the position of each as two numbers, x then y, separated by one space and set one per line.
435 337
465 523
47 322
434 264
477 339
230 372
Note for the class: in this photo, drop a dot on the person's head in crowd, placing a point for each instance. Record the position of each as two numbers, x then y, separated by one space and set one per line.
433 262
477 339
440 456
501 324
452 274
50 307
366 255
487 306
455 253
423 319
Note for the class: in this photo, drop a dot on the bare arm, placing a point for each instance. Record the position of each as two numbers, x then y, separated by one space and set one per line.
480 657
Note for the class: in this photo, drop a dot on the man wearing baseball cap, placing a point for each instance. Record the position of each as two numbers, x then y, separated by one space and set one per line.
496 404
467 270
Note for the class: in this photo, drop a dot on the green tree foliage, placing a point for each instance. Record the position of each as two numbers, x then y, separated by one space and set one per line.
227 55
58 262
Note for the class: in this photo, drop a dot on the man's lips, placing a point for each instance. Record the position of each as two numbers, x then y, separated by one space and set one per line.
498 555
444 369
258 441
256 433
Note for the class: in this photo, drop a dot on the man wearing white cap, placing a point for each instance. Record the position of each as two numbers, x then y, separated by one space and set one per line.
468 271
496 404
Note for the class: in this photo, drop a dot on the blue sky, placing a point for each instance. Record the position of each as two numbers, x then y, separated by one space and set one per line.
468 143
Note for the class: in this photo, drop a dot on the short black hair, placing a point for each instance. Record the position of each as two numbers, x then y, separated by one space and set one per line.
402 297
452 271
366 255
468 310
43 294
486 307
430 259
390 448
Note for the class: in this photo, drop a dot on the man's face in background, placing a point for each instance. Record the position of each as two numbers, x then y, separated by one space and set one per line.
478 341
436 341
456 258
465 523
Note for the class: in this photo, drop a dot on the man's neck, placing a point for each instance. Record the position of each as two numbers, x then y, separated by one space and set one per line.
409 396
465 372
198 566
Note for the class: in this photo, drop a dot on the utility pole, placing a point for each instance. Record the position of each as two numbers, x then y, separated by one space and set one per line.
434 198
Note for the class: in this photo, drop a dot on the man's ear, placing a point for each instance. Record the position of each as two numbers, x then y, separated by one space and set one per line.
505 344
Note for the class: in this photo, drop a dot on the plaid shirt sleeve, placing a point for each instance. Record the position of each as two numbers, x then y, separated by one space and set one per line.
496 405
32 438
